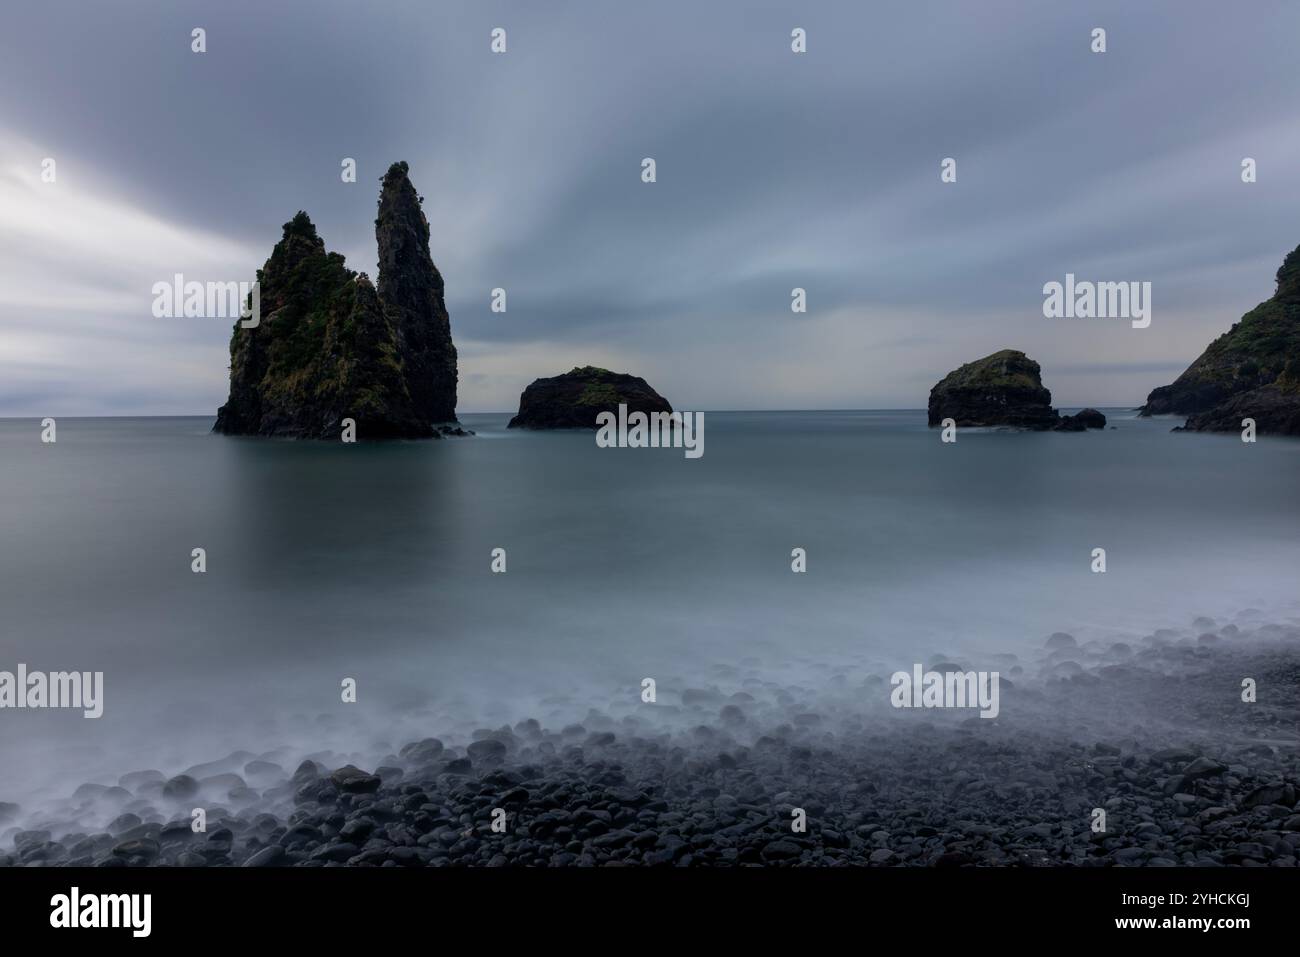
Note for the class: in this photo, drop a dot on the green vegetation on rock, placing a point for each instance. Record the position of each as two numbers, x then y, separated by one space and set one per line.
575 399
1002 389
598 393
329 346
1252 370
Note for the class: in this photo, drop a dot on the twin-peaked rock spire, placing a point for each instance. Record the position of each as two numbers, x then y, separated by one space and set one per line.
328 346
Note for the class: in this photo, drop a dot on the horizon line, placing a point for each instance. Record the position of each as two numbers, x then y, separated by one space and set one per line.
212 415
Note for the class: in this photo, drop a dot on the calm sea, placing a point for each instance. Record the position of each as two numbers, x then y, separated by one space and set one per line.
373 562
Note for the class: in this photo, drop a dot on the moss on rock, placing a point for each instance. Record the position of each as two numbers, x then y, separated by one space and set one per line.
574 400
1254 365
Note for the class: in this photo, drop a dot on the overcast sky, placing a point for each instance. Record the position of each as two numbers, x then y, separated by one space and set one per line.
775 170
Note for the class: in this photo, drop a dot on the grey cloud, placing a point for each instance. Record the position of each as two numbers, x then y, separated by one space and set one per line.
775 171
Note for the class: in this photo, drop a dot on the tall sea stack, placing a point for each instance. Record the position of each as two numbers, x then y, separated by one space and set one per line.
410 288
329 346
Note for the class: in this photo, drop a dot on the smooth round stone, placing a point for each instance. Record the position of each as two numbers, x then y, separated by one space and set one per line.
180 787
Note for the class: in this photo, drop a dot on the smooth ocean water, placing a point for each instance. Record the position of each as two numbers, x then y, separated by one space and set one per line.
372 561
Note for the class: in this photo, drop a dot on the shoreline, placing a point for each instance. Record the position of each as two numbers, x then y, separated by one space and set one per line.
1153 734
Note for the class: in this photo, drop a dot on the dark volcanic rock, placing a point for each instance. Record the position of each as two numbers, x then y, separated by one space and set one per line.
574 399
267 857
486 750
1187 777
422 751
329 347
1081 421
411 290
1274 408
140 847
1251 371
1004 389
355 781
180 787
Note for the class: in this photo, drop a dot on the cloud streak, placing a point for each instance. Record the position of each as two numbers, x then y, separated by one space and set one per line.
775 171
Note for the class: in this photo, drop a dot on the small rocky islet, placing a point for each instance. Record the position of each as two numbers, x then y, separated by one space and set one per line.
1003 390
1146 729
574 399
